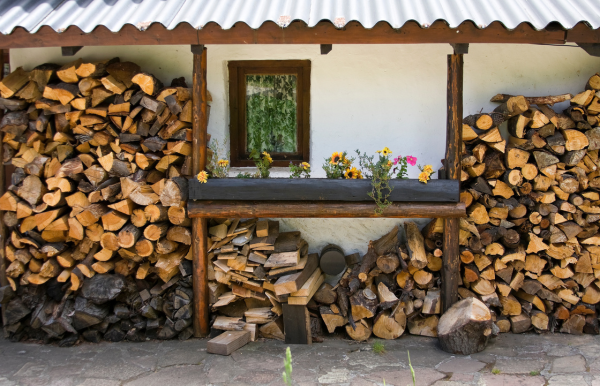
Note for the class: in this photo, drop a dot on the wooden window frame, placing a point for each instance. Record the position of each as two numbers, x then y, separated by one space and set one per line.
237 108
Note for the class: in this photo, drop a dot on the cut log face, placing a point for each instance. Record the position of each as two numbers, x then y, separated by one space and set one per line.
465 328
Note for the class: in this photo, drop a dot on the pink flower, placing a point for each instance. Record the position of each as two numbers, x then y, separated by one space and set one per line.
411 160
397 159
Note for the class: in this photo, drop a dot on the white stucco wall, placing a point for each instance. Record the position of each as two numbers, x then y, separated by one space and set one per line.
366 97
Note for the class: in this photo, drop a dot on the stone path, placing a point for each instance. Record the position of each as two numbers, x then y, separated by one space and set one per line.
512 360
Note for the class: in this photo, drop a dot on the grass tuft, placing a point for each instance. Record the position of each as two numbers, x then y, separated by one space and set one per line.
496 371
378 347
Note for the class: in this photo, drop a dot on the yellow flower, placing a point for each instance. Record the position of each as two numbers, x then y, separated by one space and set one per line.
335 158
223 162
385 152
351 173
203 177
423 177
267 157
360 176
305 165
389 164
428 169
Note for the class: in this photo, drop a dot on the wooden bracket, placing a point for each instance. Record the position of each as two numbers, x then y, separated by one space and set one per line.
593 49
326 48
197 49
460 48
70 51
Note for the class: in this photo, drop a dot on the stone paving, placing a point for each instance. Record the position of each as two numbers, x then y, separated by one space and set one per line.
511 360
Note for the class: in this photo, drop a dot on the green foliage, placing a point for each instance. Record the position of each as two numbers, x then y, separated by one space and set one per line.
217 166
496 371
412 371
287 362
271 113
263 163
336 165
534 373
380 173
378 347
244 175
299 171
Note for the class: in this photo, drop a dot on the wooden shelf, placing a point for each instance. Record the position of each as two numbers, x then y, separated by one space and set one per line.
320 189
321 209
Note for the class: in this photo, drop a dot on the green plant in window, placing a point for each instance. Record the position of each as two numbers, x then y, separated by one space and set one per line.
271 113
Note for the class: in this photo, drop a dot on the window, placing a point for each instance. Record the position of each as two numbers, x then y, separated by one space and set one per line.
269 104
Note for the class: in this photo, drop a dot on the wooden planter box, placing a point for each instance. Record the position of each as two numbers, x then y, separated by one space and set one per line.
319 189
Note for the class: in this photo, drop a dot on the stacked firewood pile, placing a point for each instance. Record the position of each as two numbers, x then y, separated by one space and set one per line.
96 208
256 269
530 244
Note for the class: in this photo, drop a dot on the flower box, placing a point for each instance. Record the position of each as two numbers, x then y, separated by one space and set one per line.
319 189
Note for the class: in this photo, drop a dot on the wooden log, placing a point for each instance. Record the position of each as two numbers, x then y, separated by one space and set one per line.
228 342
465 328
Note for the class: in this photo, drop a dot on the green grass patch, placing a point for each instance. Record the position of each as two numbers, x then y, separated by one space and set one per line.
378 347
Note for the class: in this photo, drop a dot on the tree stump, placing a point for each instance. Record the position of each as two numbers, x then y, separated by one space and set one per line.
465 328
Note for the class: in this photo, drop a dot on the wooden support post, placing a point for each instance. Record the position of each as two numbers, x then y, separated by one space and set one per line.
451 269
199 226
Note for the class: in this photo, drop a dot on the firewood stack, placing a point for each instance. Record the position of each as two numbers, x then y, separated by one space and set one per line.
530 247
256 270
100 153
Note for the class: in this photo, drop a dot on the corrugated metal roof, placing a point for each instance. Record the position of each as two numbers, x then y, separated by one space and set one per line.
114 14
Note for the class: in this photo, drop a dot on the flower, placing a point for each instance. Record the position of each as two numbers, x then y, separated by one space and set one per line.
335 158
305 165
223 162
359 176
351 173
203 177
389 164
428 169
267 157
386 151
423 177
411 160
397 159
346 161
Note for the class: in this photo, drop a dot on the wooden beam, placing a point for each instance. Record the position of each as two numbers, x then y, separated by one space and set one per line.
319 209
592 49
460 48
320 189
70 51
326 48
451 270
296 33
199 226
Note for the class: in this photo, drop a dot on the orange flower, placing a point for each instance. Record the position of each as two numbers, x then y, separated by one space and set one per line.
335 158
352 174
203 177
223 162
424 177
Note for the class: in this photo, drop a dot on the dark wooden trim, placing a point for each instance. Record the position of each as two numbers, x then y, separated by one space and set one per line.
319 189
298 33
199 226
237 108
451 268
320 209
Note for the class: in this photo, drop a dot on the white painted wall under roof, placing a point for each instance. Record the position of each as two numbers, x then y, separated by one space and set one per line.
366 97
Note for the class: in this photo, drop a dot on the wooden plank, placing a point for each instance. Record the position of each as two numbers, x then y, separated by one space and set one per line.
294 282
320 189
303 300
228 342
199 226
296 323
283 259
451 270
309 285
312 209
296 33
